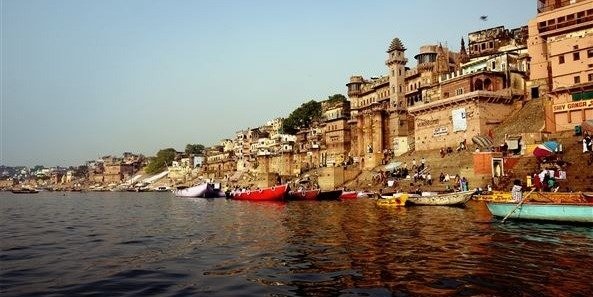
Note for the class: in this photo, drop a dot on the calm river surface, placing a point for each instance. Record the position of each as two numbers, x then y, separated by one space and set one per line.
138 244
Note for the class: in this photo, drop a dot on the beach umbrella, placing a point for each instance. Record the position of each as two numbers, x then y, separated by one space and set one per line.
552 145
541 151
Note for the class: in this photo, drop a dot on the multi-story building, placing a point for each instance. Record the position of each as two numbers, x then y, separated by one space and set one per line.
561 49
335 116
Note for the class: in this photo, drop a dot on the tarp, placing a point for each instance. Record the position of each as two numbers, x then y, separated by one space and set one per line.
587 126
392 166
482 141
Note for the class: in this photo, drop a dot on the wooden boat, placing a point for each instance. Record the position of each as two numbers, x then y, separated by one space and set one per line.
303 194
556 197
329 195
24 191
397 199
544 211
448 199
348 195
274 193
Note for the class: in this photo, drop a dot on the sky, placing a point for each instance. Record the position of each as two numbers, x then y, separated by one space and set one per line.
82 79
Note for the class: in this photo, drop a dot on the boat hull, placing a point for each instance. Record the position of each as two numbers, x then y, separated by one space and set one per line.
304 195
554 197
557 212
449 199
275 193
349 195
329 195
398 199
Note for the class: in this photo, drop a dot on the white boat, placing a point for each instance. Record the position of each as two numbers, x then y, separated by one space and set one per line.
204 190
195 191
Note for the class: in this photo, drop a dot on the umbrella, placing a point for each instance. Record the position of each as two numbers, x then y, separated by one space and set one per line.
552 145
541 151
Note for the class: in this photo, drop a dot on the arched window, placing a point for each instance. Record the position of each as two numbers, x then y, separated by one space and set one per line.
478 85
487 84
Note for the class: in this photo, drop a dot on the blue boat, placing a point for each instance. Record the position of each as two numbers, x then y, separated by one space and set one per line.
541 211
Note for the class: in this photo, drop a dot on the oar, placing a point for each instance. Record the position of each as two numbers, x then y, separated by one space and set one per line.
519 204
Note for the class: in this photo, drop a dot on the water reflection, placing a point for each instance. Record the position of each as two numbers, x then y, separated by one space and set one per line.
156 244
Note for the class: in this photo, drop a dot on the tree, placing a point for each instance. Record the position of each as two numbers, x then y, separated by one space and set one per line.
302 117
337 98
194 149
163 158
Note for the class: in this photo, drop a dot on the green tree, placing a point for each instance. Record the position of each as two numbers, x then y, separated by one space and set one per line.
337 98
163 158
194 149
302 117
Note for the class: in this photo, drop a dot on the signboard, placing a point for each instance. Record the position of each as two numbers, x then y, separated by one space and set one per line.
459 120
440 131
572 105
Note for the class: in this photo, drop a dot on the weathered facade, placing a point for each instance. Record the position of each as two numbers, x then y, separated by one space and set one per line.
561 50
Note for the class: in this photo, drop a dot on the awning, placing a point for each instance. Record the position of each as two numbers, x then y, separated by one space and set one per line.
482 141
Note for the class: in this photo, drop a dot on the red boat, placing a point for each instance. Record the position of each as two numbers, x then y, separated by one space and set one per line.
304 194
349 195
274 193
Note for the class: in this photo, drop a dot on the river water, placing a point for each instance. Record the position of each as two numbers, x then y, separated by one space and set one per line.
138 244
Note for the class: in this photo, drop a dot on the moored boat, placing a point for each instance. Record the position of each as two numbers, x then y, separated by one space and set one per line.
349 195
304 194
396 199
274 193
544 211
203 190
448 199
555 197
329 195
25 191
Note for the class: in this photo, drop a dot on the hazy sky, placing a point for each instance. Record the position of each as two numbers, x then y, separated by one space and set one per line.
81 79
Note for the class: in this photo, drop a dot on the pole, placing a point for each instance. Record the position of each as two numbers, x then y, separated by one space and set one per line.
519 204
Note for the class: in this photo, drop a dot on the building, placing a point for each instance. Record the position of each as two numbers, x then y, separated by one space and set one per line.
560 46
335 116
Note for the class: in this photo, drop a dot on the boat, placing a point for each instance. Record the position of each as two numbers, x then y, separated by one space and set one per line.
543 211
25 191
448 199
556 197
203 190
274 193
329 195
304 194
161 189
348 195
396 199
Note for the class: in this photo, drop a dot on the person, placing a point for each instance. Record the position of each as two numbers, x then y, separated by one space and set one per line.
429 179
517 191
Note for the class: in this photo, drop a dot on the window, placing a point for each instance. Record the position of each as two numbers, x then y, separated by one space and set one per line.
534 92
590 53
576 56
590 77
561 59
459 91
577 79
